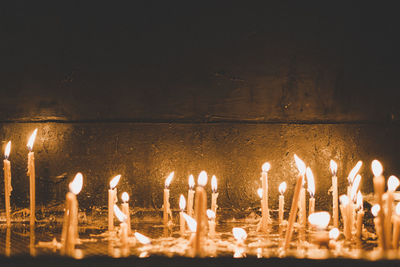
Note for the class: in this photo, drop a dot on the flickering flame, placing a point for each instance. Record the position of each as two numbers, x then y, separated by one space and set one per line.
239 234
76 185
169 179
202 180
260 192
266 166
210 214
114 181
344 200
7 150
300 165
32 140
393 183
354 188
319 219
214 184
354 171
182 202
282 188
144 240
192 224
375 209
191 181
333 167
398 209
334 234
359 203
239 252
377 168
119 214
310 182
125 197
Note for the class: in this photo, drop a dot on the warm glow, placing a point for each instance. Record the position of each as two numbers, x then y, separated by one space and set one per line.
375 209
266 166
260 192
7 150
334 234
202 180
310 182
191 181
119 214
398 209
125 197
344 200
239 234
282 188
354 188
210 214
214 184
191 223
333 167
320 219
114 181
393 183
359 203
182 202
169 179
142 238
76 185
32 140
377 168
301 166
354 171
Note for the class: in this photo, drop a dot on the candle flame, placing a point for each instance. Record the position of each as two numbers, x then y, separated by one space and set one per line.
76 185
182 202
377 168
344 200
169 179
192 224
114 181
266 166
210 214
359 203
32 140
354 171
214 184
125 197
239 234
398 209
300 165
354 188
334 233
310 182
375 209
191 181
333 166
119 214
202 180
7 150
144 240
393 183
319 219
282 188
260 192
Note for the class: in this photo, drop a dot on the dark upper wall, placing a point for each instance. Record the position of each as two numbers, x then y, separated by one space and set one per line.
199 61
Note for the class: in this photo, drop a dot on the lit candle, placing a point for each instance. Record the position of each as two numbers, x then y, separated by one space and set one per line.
293 210
335 196
360 215
379 188
393 183
302 208
190 196
311 190
333 235
396 228
7 182
282 189
378 225
200 214
144 240
320 221
353 198
264 202
123 227
31 174
112 199
182 205
70 233
125 210
344 205
240 235
211 223
191 223
166 206
214 194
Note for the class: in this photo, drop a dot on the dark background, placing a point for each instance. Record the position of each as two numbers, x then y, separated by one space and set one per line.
151 87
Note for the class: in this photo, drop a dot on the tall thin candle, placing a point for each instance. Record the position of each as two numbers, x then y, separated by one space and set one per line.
335 196
126 211
166 206
360 215
112 199
311 190
190 196
7 183
264 204
200 214
282 189
379 188
393 183
214 194
31 174
182 205
396 228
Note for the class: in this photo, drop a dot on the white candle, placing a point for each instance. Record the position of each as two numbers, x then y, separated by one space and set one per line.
214 194
378 225
360 215
311 190
353 198
112 199
335 196
302 206
200 213
211 223
123 234
264 204
396 228
282 189
190 196
344 205
125 210
379 188
393 183
31 174
166 206
319 221
7 183
182 205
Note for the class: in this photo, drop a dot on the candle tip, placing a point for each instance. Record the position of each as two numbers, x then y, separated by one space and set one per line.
191 181
114 181
76 185
266 167
125 197
375 209
310 182
377 168
319 219
169 179
144 240
192 224
182 203
202 180
333 166
393 183
214 184
354 171
7 150
239 234
334 234
119 214
32 140
282 188
301 166
260 192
